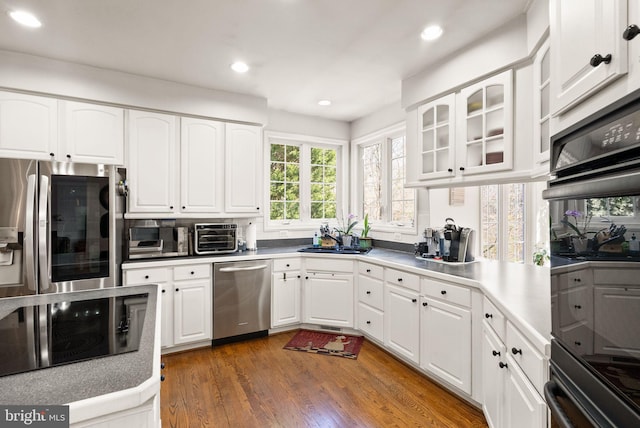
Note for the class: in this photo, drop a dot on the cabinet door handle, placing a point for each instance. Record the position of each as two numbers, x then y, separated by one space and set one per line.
177 289
298 276
368 292
146 277
631 32
193 273
577 280
368 270
52 154
488 316
368 322
306 277
425 304
495 353
598 59
577 343
443 292
399 279
183 207
461 168
516 351
449 169
414 300
68 156
577 306
163 291
288 265
171 207
503 365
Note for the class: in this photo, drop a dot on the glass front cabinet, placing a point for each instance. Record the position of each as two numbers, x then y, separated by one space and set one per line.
486 125
436 130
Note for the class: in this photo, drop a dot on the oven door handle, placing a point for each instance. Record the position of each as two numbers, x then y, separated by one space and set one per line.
551 390
243 269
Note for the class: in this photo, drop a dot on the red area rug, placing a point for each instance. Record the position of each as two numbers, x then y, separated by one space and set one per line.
318 342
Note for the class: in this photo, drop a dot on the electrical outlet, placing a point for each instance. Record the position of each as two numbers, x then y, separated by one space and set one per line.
397 236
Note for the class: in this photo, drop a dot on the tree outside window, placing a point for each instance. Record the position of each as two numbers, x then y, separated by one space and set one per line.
502 222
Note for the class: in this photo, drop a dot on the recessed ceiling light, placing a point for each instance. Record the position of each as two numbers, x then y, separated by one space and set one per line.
25 18
431 33
324 103
240 67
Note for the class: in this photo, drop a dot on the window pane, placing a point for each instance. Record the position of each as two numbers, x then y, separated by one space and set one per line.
489 222
515 223
402 200
285 182
621 206
323 183
372 181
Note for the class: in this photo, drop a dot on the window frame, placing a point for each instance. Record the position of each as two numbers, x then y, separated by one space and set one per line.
306 142
384 137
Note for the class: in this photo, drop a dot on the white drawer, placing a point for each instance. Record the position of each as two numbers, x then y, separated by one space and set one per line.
374 271
146 276
403 279
328 265
531 361
494 318
371 321
191 272
371 291
281 265
446 292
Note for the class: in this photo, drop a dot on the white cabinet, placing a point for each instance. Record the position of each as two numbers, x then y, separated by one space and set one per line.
328 299
243 164
201 166
587 48
486 125
615 307
445 332
542 105
152 162
91 133
186 301
285 292
513 376
436 138
371 300
402 321
28 126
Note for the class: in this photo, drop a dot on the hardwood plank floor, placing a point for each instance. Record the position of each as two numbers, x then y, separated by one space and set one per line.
256 383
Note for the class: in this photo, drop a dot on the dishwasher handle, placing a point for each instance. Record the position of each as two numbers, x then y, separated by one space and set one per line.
243 269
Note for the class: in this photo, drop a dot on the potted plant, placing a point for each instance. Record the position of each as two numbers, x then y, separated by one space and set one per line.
345 229
365 241
579 238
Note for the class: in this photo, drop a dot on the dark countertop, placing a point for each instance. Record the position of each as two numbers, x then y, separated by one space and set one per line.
82 380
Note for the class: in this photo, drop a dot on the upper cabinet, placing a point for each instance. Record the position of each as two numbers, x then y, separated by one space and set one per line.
541 104
588 51
28 126
436 138
152 162
486 125
42 128
243 168
92 133
184 167
201 165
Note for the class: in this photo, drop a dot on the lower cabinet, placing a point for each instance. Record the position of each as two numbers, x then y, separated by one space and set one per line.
285 292
402 321
328 299
523 406
186 301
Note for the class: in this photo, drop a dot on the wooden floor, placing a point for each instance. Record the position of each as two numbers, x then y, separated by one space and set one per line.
256 383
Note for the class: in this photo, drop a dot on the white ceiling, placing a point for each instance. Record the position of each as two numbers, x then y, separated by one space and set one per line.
353 52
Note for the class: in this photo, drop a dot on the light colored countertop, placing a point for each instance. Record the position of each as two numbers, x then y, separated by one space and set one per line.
521 292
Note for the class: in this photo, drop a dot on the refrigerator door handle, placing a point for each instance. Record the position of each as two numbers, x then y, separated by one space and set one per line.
43 234
43 334
29 234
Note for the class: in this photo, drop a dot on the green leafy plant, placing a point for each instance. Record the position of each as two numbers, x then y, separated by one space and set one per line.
365 227
540 256
346 225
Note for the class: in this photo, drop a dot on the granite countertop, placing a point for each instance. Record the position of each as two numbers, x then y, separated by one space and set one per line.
521 292
70 383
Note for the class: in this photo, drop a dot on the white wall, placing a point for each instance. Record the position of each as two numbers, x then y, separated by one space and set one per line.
466 215
284 121
69 80
379 119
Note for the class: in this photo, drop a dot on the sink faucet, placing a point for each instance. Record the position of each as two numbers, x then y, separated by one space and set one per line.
338 239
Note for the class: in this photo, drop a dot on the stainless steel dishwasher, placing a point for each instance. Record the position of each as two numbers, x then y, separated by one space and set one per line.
241 300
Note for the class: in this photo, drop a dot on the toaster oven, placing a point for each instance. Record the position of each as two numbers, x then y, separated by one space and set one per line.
215 238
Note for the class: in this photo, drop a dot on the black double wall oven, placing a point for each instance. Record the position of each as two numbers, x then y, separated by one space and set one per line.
594 207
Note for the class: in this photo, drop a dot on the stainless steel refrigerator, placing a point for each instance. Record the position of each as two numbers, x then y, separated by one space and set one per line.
60 227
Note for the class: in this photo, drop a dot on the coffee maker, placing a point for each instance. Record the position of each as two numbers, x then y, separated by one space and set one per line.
458 243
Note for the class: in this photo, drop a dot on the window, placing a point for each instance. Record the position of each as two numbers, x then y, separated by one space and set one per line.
622 206
502 222
382 172
304 180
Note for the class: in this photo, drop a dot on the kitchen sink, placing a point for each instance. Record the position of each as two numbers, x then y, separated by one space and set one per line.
333 250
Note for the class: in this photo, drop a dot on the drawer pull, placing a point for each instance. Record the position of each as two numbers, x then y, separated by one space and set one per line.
146 277
368 322
443 292
399 279
425 304
577 306
598 59
503 365
516 351
577 343
177 289
414 300
163 291
368 270
368 292
495 353
577 280
488 316
193 273
288 265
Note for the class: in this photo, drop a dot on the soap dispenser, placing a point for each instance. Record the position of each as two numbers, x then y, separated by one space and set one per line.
634 245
